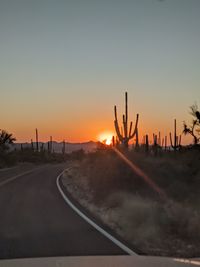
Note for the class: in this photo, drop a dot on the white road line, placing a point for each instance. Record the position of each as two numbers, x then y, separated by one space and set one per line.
15 177
92 223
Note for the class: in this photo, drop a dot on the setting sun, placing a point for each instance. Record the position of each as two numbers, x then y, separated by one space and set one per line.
106 138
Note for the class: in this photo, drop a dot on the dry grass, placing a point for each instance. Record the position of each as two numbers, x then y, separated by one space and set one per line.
106 186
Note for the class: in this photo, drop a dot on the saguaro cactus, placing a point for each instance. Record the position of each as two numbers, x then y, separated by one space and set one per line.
36 136
32 147
42 147
51 144
165 143
137 145
146 143
126 134
177 140
113 141
48 147
63 148
155 144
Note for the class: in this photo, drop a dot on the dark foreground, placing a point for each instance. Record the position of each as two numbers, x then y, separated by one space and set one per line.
36 222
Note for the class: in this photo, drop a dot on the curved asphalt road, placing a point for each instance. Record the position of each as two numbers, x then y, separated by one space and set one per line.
36 222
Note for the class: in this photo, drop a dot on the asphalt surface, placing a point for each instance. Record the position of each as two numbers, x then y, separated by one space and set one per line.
36 222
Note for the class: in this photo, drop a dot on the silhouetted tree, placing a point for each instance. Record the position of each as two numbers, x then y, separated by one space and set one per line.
194 129
6 139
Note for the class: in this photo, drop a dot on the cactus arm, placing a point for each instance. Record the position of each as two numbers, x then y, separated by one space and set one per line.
125 126
170 138
130 130
120 137
117 125
136 127
137 139
115 112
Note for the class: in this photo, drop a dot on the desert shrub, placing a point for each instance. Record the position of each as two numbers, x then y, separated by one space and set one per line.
28 155
7 159
159 227
178 176
107 173
181 221
137 217
149 221
77 155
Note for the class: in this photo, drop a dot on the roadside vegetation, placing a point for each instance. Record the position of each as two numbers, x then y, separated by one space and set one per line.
10 157
106 186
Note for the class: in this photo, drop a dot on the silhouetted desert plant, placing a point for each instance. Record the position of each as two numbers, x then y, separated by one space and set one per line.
177 176
157 228
38 157
128 204
194 129
126 133
176 144
77 155
7 159
36 138
146 143
6 139
63 148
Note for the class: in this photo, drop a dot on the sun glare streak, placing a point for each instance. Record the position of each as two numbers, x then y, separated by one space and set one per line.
140 173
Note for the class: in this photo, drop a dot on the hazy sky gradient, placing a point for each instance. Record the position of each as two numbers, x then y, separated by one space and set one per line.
64 64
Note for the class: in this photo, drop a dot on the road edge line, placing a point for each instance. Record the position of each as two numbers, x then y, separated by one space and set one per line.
91 222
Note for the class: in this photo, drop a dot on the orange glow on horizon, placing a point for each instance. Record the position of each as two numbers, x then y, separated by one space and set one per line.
95 131
106 138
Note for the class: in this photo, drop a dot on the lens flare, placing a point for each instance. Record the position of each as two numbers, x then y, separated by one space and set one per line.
141 173
106 138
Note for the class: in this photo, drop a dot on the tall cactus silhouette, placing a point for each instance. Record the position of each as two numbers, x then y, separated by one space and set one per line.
32 147
126 133
177 140
165 143
36 137
51 144
146 143
63 148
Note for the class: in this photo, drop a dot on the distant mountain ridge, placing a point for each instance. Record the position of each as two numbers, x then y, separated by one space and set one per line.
57 146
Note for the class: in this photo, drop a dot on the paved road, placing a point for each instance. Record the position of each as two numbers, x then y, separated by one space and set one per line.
36 222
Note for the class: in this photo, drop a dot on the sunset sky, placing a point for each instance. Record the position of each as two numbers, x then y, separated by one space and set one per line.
65 64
